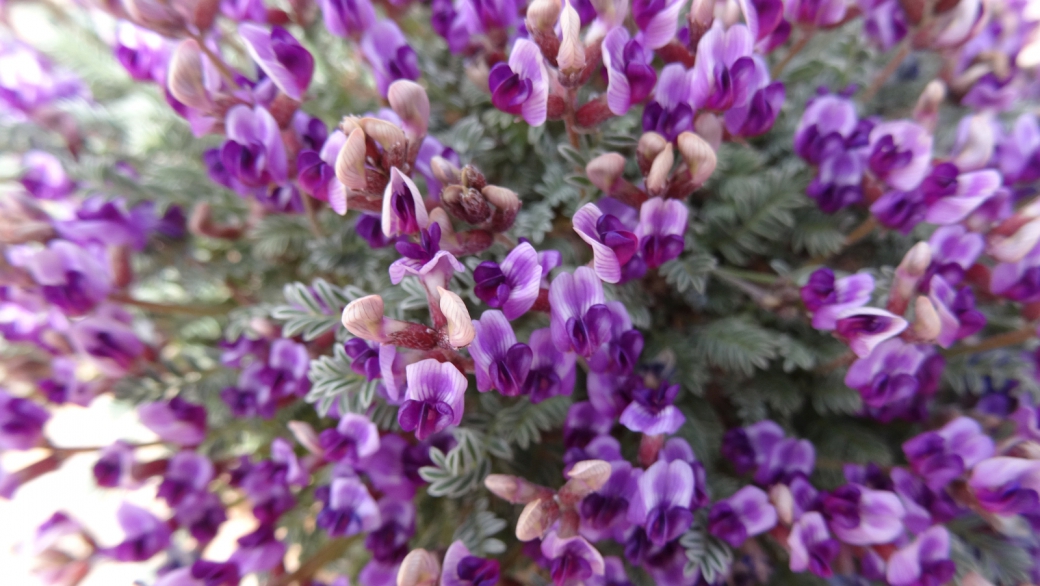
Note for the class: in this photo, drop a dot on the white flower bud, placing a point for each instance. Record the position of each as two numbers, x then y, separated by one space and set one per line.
419 568
364 318
698 155
460 325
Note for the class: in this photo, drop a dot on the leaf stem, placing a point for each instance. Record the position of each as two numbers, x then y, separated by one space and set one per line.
994 342
753 276
793 52
897 60
196 310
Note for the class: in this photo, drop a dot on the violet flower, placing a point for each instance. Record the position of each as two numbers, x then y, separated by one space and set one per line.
621 353
756 114
389 54
745 514
604 513
521 87
143 53
859 515
954 251
725 67
1018 281
900 153
827 297
202 514
613 575
389 542
552 372
926 560
811 545
435 398
347 18
747 447
900 210
652 411
957 314
425 260
21 422
924 506
662 506
884 22
259 551
815 13
888 375
364 357
951 195
613 245
186 473
630 74
657 20
115 465
660 231
1007 486
786 459
512 285
676 448
44 177
145 535
1018 151
864 328
403 209
243 10
317 173
354 438
500 362
349 508
176 421
826 126
945 454
254 153
580 320
572 560
70 277
280 56
671 111
839 181
583 424
100 220
461 568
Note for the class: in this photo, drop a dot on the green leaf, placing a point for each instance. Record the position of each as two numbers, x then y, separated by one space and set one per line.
313 311
689 272
736 345
332 380
706 554
477 531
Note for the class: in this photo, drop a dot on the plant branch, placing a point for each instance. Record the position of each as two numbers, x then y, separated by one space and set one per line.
897 60
327 553
992 343
793 52
196 310
312 216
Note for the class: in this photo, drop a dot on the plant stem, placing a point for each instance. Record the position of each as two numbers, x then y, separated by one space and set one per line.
88 449
312 216
327 553
793 52
861 231
196 310
753 276
897 60
992 343
222 67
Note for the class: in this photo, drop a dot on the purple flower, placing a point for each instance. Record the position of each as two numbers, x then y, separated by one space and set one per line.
258 551
435 398
864 328
660 231
884 22
924 506
826 127
143 53
425 260
827 297
745 514
364 357
1007 485
513 285
70 277
817 13
614 574
657 20
839 181
580 320
347 18
1017 151
747 447
954 250
521 87
630 74
461 568
652 412
677 448
811 545
349 508
572 560
551 372
21 422
786 459
186 473
951 196
583 424
202 514
499 360
1018 281
671 111
107 221
613 245
925 561
389 542
145 535
765 19
354 438
280 56
115 465
44 177
604 513
403 209
662 506
389 54
888 375
254 153
176 421
243 10
900 153
945 454
725 68
756 114
859 515
957 313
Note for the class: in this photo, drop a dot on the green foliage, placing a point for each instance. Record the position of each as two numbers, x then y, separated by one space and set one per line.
737 345
313 310
478 529
973 546
462 469
689 273
333 381
706 554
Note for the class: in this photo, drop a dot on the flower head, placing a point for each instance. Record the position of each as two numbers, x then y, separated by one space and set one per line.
521 87
434 399
280 56
500 361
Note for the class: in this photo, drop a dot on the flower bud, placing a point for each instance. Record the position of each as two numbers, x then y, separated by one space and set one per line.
978 147
364 318
185 80
350 162
514 489
387 134
782 499
926 112
657 178
306 436
409 100
467 204
445 171
1015 247
536 518
926 325
542 15
571 56
472 177
709 127
507 204
698 155
908 273
200 13
460 325
155 15
586 477
119 265
349 124
649 146
605 170
700 17
419 568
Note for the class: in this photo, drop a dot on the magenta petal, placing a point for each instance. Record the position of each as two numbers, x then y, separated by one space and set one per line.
524 276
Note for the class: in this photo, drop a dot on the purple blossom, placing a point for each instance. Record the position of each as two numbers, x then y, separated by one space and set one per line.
725 68
551 372
258 551
621 353
115 465
671 111
317 173
900 153
677 448
389 542
888 375
956 308
864 328
435 398
630 74
389 54
580 320
21 422
513 285
925 561
500 362
280 56
254 153
262 384
924 506
1007 486
786 459
461 568
614 574
652 411
572 560
748 447
884 22
951 195
105 221
583 424
31 81
143 53
828 125
604 447
1017 151
403 209
613 245
745 514
349 508
827 297
44 177
660 230
954 251
364 357
243 10
662 506
354 438
862 516
347 18
145 535
838 184
70 277
604 513
1018 281
186 473
756 114
657 20
816 13
202 514
811 545
765 19
521 87
176 421
945 454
